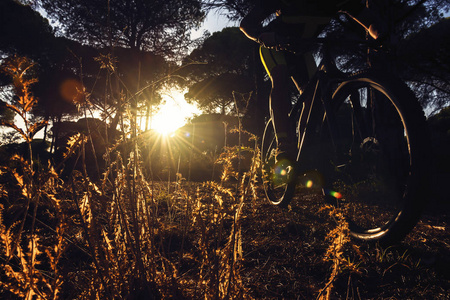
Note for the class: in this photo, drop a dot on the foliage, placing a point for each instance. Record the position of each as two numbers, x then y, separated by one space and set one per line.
32 185
70 71
216 94
6 114
339 238
131 75
411 27
134 235
226 60
233 9
20 70
161 27
26 33
224 51
23 31
428 68
22 274
129 236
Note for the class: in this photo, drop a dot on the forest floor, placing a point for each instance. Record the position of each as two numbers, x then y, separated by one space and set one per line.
285 256
211 243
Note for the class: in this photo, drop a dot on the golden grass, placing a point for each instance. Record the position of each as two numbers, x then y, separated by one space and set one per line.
129 236
132 236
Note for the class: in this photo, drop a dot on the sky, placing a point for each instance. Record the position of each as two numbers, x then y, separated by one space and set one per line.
214 22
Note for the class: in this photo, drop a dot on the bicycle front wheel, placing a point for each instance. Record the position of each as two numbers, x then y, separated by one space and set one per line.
378 169
278 180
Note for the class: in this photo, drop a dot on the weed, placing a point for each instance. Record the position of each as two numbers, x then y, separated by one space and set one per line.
127 235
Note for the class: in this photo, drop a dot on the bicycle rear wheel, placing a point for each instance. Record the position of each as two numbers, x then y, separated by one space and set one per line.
378 169
279 178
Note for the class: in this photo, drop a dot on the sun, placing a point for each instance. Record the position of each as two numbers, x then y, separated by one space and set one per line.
173 113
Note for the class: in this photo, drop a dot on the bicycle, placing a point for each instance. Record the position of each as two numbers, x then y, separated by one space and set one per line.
362 142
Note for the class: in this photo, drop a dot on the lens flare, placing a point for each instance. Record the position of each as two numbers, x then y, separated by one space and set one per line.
334 194
72 90
283 171
313 179
280 171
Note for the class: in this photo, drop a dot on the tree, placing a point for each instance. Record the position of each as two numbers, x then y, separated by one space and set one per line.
21 71
159 26
225 51
23 31
416 25
427 68
226 73
218 93
26 33
232 9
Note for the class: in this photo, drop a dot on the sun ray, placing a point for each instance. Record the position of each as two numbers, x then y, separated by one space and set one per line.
173 113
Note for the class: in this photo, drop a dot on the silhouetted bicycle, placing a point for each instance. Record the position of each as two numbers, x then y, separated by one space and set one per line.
363 142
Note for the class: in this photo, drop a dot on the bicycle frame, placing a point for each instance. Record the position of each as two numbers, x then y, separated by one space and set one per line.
318 93
316 108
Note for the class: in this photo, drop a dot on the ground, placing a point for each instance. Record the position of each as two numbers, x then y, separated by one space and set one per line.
284 254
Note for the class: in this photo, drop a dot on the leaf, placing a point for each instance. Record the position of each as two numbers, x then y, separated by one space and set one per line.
33 247
55 200
73 143
19 178
7 241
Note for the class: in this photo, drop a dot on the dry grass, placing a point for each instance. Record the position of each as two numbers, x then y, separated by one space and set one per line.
127 236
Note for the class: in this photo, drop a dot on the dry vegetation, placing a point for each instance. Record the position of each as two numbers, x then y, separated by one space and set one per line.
127 236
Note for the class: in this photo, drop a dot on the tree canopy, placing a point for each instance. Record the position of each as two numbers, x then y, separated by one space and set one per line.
159 26
428 68
23 31
226 65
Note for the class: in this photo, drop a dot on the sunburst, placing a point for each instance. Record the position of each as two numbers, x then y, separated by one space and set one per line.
173 113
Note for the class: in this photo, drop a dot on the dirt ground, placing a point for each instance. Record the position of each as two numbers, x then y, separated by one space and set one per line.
285 256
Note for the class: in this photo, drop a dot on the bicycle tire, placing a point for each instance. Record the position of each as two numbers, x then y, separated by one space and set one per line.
379 167
279 191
